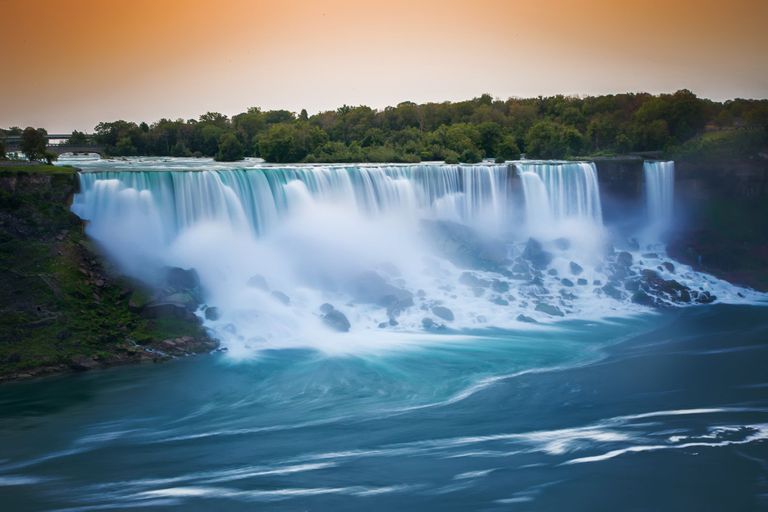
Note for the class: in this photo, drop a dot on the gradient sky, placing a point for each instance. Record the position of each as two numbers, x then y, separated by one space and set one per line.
70 64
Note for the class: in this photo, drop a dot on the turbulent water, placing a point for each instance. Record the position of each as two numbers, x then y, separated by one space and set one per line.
504 349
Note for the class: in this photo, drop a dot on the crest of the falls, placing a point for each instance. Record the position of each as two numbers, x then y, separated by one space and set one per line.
659 196
393 250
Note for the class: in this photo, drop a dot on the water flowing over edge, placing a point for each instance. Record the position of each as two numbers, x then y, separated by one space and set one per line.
359 256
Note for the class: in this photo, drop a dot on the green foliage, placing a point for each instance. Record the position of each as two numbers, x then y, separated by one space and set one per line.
550 139
33 143
77 139
2 149
230 148
484 127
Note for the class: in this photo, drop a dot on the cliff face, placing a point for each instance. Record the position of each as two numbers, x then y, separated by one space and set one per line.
722 212
61 307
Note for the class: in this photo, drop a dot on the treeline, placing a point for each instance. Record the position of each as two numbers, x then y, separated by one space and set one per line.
467 131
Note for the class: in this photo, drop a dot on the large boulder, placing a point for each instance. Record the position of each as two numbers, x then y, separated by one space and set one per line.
536 254
443 312
371 288
181 279
334 318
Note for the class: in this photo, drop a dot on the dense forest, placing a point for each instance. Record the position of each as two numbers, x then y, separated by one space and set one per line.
678 124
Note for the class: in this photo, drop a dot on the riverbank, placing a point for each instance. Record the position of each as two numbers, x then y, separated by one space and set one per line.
64 309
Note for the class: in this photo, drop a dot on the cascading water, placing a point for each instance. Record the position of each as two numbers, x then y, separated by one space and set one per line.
394 249
571 188
659 195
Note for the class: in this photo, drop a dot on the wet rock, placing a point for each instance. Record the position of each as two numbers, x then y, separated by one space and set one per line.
576 269
182 279
536 254
612 291
443 312
669 267
624 259
566 282
371 288
212 313
642 298
549 309
552 272
83 363
582 282
430 325
281 297
471 280
651 255
500 301
500 286
334 318
526 319
597 282
167 310
258 281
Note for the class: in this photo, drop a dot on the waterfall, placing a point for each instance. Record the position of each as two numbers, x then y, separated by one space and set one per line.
571 188
395 248
256 199
659 194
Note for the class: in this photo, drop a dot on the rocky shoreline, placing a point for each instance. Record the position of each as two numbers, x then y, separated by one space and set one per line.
63 307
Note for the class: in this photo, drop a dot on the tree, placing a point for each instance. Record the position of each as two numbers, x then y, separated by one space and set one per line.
507 149
549 139
33 143
230 148
77 139
2 149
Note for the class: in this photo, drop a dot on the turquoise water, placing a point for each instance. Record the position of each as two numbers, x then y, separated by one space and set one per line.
485 365
659 412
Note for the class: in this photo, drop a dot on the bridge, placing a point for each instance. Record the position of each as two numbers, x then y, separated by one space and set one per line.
13 143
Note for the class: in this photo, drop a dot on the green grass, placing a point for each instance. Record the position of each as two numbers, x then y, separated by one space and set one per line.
9 167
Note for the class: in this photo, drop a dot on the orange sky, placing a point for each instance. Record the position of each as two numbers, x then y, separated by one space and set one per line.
69 64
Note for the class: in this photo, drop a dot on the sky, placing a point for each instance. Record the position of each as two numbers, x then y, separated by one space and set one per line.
70 64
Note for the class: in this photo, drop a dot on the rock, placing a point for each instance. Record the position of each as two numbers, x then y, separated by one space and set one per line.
597 282
471 280
669 267
500 286
526 319
443 312
582 282
212 314
335 319
576 269
182 279
611 291
186 299
371 288
549 309
500 301
280 296
326 308
552 272
566 282
430 325
258 281
534 253
166 310
642 298
624 259
83 363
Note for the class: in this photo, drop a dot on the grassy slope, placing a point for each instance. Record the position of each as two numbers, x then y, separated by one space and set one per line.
58 305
